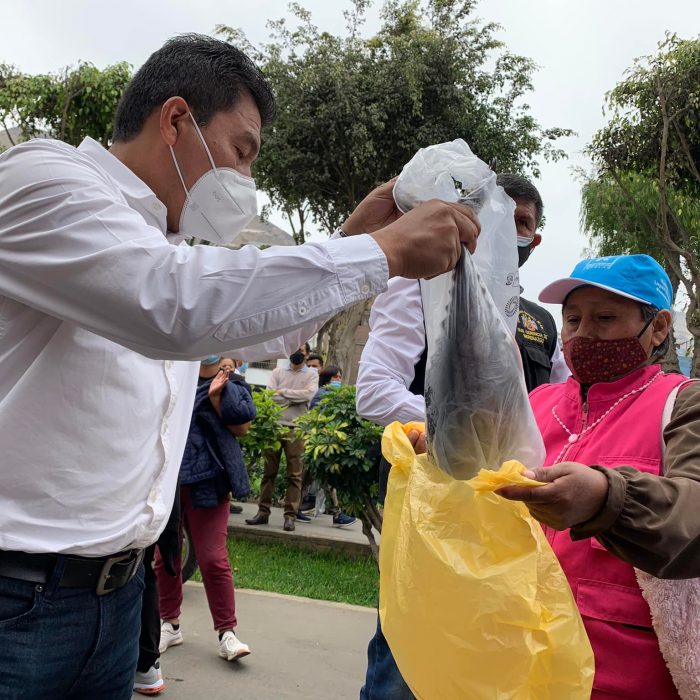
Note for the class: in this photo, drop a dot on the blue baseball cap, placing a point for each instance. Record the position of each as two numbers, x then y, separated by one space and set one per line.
637 277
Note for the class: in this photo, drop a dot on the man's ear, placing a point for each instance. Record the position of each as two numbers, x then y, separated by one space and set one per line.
536 241
173 112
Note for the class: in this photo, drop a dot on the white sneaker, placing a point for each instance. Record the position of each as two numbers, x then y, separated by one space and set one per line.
169 637
150 682
231 648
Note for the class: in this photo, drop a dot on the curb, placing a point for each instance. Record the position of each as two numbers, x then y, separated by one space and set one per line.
266 534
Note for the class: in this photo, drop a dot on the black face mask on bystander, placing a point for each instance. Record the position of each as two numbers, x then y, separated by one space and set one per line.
296 358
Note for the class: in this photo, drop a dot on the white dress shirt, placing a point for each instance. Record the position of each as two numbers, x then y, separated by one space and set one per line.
100 317
395 344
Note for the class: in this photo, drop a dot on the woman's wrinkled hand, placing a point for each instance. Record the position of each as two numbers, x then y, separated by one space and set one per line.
573 493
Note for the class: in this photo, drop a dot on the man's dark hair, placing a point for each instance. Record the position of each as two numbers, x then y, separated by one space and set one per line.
209 74
314 356
648 313
518 187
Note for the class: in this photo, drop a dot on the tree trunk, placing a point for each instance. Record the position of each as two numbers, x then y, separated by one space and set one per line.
373 515
367 530
669 362
337 337
695 367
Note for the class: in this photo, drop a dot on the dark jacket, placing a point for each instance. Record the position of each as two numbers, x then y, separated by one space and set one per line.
212 464
537 339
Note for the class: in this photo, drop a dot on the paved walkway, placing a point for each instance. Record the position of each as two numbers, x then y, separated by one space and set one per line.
301 649
318 535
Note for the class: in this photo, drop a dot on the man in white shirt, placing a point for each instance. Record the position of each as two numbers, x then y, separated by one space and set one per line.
101 315
392 374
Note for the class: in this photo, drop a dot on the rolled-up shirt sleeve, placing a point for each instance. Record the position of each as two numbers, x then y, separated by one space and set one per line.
387 366
71 247
653 522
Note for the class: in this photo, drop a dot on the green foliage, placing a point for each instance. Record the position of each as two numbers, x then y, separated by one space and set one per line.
666 82
282 569
352 110
644 194
265 432
70 105
337 447
621 215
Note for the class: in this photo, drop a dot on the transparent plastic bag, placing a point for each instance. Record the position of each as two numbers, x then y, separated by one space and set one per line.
452 173
478 413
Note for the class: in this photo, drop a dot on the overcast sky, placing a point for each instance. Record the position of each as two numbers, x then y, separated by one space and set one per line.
582 49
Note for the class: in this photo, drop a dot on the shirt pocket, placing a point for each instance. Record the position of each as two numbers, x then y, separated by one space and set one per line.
537 354
612 602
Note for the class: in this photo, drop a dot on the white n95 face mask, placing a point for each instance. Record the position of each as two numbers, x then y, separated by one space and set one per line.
219 205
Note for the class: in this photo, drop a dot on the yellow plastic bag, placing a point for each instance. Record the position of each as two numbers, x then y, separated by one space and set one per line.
473 601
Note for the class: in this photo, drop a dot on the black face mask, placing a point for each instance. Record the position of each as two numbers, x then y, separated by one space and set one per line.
523 254
296 358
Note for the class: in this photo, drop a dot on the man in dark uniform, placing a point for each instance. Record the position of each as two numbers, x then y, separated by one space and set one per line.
390 383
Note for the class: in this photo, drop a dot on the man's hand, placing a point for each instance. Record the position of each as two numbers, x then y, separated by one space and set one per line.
374 212
573 494
428 240
417 441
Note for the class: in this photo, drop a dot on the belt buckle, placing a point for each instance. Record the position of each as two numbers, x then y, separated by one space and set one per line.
105 574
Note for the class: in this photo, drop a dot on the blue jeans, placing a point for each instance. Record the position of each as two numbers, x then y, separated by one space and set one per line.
68 643
384 680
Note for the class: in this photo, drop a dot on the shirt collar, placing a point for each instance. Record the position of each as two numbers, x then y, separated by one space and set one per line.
303 369
136 192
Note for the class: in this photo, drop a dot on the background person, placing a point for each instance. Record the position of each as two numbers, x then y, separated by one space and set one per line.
294 388
212 467
315 361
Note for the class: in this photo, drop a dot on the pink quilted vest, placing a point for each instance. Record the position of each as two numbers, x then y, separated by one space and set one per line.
629 664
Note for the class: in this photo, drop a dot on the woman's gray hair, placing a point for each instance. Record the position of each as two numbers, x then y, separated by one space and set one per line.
648 314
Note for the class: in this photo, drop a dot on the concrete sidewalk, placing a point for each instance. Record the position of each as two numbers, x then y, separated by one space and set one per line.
300 648
318 535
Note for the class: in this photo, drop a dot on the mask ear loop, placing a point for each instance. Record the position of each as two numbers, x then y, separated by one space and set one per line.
179 172
646 325
204 143
206 149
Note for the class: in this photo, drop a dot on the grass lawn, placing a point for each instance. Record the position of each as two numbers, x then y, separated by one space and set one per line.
281 569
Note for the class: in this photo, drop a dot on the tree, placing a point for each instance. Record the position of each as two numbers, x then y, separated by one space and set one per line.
644 194
353 109
70 105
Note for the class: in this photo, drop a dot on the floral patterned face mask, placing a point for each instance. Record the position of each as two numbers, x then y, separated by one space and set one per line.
592 360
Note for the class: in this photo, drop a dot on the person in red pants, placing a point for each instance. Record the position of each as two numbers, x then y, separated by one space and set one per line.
212 468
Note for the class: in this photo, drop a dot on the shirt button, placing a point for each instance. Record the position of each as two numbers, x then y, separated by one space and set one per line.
302 311
155 206
364 289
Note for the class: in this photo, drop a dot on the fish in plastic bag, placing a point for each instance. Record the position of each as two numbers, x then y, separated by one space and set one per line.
477 410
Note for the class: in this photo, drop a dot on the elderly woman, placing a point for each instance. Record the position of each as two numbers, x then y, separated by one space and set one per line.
622 468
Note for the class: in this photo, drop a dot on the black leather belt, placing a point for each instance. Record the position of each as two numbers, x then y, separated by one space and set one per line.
104 574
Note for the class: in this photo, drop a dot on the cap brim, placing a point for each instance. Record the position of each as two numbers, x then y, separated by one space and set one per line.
556 292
